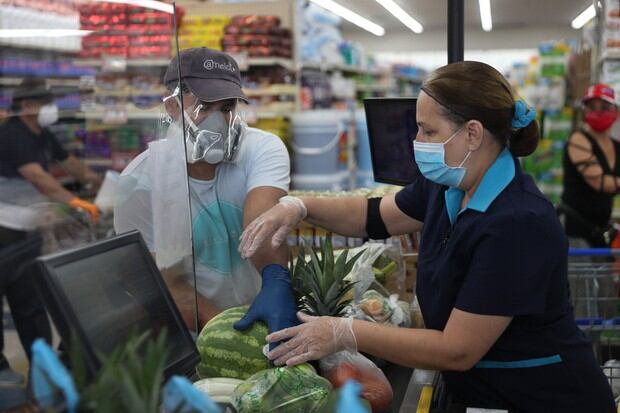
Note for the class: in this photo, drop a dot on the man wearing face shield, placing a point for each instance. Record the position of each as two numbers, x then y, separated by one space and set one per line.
235 173
29 148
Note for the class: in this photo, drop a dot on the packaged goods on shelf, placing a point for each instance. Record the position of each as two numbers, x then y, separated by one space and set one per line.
320 36
56 6
19 65
196 31
258 36
126 31
611 27
554 58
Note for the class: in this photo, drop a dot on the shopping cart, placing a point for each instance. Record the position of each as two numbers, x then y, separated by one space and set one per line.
63 227
594 278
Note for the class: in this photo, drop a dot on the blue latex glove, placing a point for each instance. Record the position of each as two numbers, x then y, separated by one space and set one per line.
179 391
349 401
274 304
49 377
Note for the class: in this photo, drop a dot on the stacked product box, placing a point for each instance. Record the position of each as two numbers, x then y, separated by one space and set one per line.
197 31
258 36
124 31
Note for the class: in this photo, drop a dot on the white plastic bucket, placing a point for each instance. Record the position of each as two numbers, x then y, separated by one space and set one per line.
316 135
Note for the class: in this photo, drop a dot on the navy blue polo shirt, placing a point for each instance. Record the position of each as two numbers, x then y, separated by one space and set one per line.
505 254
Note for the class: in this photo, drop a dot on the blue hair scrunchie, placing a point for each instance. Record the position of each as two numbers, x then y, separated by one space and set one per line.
523 116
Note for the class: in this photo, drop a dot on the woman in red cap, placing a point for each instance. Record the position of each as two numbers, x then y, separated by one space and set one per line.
592 169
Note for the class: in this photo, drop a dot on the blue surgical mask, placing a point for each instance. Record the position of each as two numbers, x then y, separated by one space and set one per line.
431 160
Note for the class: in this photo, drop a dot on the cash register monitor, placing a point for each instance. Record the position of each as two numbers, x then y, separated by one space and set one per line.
107 290
391 130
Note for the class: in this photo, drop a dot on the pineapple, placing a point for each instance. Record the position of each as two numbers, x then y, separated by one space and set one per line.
319 284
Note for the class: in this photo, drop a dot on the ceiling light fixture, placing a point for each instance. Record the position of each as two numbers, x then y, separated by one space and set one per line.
401 15
21 33
485 15
149 4
350 16
584 17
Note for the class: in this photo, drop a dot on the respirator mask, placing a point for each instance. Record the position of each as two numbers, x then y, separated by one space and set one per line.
209 136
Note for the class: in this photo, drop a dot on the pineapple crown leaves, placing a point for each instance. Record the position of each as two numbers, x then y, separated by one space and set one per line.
130 378
319 284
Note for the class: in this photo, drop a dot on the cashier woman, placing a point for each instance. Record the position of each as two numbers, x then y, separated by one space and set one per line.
492 272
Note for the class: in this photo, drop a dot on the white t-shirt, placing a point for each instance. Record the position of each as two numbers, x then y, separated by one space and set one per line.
223 276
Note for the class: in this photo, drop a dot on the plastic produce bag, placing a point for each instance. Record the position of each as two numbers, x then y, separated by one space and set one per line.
378 308
343 366
364 274
296 389
612 371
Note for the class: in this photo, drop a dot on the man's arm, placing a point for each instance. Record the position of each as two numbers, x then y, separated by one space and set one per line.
80 171
45 183
257 201
183 294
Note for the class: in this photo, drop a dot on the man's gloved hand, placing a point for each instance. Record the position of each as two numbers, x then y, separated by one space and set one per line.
316 338
274 304
89 207
274 224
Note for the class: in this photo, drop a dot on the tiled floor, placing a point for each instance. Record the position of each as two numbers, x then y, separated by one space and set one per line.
13 350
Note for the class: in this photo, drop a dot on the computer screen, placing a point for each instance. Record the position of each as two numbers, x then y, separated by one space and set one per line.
105 291
391 130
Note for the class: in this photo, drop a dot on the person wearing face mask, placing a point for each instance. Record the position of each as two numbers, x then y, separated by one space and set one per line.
235 174
492 278
591 170
28 148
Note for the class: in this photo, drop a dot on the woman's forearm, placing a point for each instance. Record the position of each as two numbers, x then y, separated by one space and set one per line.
410 347
344 216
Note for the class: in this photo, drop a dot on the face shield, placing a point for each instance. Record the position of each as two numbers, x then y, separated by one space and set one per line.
212 129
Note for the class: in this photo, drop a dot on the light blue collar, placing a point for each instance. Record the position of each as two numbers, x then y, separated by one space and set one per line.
495 180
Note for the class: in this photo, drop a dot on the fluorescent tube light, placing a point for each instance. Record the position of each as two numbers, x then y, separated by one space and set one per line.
485 15
15 33
584 17
401 15
350 16
149 4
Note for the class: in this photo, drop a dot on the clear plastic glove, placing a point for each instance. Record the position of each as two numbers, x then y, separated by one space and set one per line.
276 223
316 338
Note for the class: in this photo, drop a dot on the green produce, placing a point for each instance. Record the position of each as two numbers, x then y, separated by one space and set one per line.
383 268
297 389
226 352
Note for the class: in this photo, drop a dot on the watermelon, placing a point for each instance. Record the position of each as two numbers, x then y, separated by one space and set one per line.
226 352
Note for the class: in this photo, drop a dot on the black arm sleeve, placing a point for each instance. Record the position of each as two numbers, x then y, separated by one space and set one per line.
375 227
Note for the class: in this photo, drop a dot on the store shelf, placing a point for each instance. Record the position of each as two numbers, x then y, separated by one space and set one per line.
343 68
271 61
154 62
410 79
131 115
375 88
273 90
610 55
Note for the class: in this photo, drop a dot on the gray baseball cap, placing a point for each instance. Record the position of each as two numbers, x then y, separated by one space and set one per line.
211 75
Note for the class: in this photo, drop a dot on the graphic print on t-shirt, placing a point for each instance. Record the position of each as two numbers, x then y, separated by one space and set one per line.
216 232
